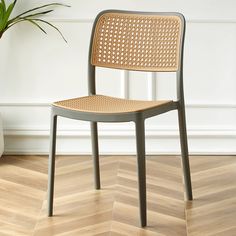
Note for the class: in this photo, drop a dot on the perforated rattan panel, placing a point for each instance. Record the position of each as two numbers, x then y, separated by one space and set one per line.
137 42
105 104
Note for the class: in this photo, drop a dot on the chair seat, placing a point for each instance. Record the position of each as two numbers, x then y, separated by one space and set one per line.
106 104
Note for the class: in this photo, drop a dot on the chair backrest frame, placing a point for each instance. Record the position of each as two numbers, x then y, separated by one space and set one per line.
179 69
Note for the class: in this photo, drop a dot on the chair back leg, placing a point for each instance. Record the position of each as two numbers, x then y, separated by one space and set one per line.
95 154
184 152
51 166
141 167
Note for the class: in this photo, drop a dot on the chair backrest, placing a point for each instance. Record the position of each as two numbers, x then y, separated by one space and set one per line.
138 41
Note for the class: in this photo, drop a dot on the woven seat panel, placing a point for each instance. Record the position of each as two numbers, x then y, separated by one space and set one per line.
137 42
105 104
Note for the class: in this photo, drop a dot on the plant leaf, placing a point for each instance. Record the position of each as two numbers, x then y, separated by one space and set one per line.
36 24
29 20
6 16
5 23
4 5
2 13
37 8
29 16
53 26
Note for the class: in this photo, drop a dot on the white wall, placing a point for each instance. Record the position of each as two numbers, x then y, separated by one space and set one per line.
36 69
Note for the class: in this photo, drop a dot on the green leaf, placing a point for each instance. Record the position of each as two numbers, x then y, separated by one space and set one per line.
2 13
53 26
1 10
36 24
39 13
5 23
4 5
30 16
37 8
6 16
29 20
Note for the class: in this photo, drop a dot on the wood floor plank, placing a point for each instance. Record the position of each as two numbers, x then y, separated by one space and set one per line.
113 210
213 211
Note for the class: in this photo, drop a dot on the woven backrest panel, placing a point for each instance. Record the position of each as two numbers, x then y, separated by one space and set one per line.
137 42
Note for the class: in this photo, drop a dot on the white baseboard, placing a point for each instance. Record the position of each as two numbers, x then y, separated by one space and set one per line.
116 141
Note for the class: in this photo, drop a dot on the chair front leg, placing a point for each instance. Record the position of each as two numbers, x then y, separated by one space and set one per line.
141 166
95 154
51 164
184 151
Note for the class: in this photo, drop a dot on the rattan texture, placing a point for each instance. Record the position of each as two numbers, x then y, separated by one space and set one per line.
137 42
106 104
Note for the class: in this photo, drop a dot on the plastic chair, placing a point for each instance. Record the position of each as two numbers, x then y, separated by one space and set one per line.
140 41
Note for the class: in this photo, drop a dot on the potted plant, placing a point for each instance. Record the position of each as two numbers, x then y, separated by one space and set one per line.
32 16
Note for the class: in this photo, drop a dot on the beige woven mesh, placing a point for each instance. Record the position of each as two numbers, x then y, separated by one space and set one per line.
105 104
137 42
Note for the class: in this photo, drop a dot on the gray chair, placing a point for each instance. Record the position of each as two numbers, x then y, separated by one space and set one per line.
140 41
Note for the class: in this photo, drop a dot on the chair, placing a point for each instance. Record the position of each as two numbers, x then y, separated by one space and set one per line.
140 41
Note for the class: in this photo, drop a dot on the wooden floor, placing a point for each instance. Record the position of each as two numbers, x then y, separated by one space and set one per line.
81 210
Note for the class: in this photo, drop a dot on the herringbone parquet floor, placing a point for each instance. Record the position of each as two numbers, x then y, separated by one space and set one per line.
81 210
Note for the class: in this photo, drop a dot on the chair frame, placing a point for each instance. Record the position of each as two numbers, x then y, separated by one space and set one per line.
137 117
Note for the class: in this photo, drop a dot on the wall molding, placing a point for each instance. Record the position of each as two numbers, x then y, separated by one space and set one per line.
152 131
188 20
125 94
124 84
152 82
25 104
158 141
164 140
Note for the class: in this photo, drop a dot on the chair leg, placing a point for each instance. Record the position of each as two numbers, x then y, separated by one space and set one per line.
141 165
95 154
185 154
51 164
